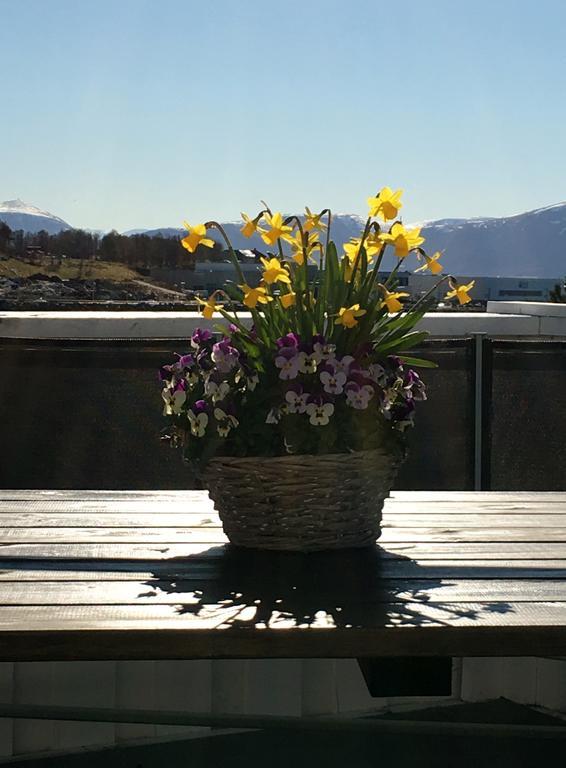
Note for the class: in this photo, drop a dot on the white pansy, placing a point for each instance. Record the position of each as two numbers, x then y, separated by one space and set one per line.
319 415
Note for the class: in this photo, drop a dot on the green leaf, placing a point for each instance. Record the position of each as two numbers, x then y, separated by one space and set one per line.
405 342
418 362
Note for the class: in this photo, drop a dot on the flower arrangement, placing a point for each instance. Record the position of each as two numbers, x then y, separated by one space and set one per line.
322 368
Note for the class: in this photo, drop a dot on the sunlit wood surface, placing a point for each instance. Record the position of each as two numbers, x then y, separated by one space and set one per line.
149 575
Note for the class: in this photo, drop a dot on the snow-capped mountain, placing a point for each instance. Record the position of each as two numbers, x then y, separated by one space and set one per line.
19 215
344 226
529 244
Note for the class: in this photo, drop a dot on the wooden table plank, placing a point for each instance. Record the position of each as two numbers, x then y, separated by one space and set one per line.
106 574
429 550
206 570
161 591
213 535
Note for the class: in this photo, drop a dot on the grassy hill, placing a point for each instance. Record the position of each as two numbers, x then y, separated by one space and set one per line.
70 268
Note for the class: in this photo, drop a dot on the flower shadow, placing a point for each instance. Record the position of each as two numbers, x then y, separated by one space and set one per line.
348 588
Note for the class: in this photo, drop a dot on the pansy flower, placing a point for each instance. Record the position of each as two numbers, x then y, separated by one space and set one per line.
200 337
225 355
308 362
376 372
198 418
357 396
289 340
319 412
413 386
288 362
333 381
174 398
324 350
296 400
342 364
217 390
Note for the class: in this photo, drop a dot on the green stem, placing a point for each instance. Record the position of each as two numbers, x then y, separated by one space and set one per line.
423 299
220 228
358 256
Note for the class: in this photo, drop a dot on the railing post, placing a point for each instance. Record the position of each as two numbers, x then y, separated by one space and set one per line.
478 410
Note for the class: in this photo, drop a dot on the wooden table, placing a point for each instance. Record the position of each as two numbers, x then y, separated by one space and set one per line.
148 575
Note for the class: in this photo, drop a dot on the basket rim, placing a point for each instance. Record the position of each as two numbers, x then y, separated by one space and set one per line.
398 453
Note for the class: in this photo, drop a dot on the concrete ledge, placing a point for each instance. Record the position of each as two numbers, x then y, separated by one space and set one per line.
148 325
536 308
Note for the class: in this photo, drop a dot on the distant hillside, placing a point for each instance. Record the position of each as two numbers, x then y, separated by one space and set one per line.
530 244
19 215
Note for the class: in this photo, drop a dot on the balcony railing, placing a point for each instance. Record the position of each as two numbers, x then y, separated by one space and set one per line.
80 404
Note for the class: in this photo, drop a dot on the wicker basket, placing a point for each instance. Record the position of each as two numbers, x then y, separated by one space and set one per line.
302 503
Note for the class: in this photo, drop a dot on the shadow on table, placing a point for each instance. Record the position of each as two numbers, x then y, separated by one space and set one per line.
346 588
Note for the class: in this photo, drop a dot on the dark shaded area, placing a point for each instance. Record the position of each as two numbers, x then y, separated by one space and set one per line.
527 415
356 750
407 676
346 588
87 414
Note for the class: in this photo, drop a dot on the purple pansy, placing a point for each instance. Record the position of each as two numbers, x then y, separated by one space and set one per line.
225 355
288 363
357 396
200 337
289 340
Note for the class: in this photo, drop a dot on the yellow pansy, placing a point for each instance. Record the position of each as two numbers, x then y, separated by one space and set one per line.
432 263
312 220
391 300
197 236
255 296
209 306
460 292
288 299
298 249
250 225
274 271
403 240
347 315
277 229
386 204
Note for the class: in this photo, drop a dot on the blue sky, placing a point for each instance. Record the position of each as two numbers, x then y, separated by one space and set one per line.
131 113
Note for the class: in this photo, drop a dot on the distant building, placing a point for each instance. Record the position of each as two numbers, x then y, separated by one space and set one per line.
209 276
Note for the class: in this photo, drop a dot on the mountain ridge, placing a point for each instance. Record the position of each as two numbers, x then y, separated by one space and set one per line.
530 244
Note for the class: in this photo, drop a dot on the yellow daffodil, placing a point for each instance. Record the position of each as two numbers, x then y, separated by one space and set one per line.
209 306
288 299
386 204
313 221
391 300
277 229
197 236
274 271
403 240
250 225
352 248
460 292
298 249
372 246
432 263
347 315
255 296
